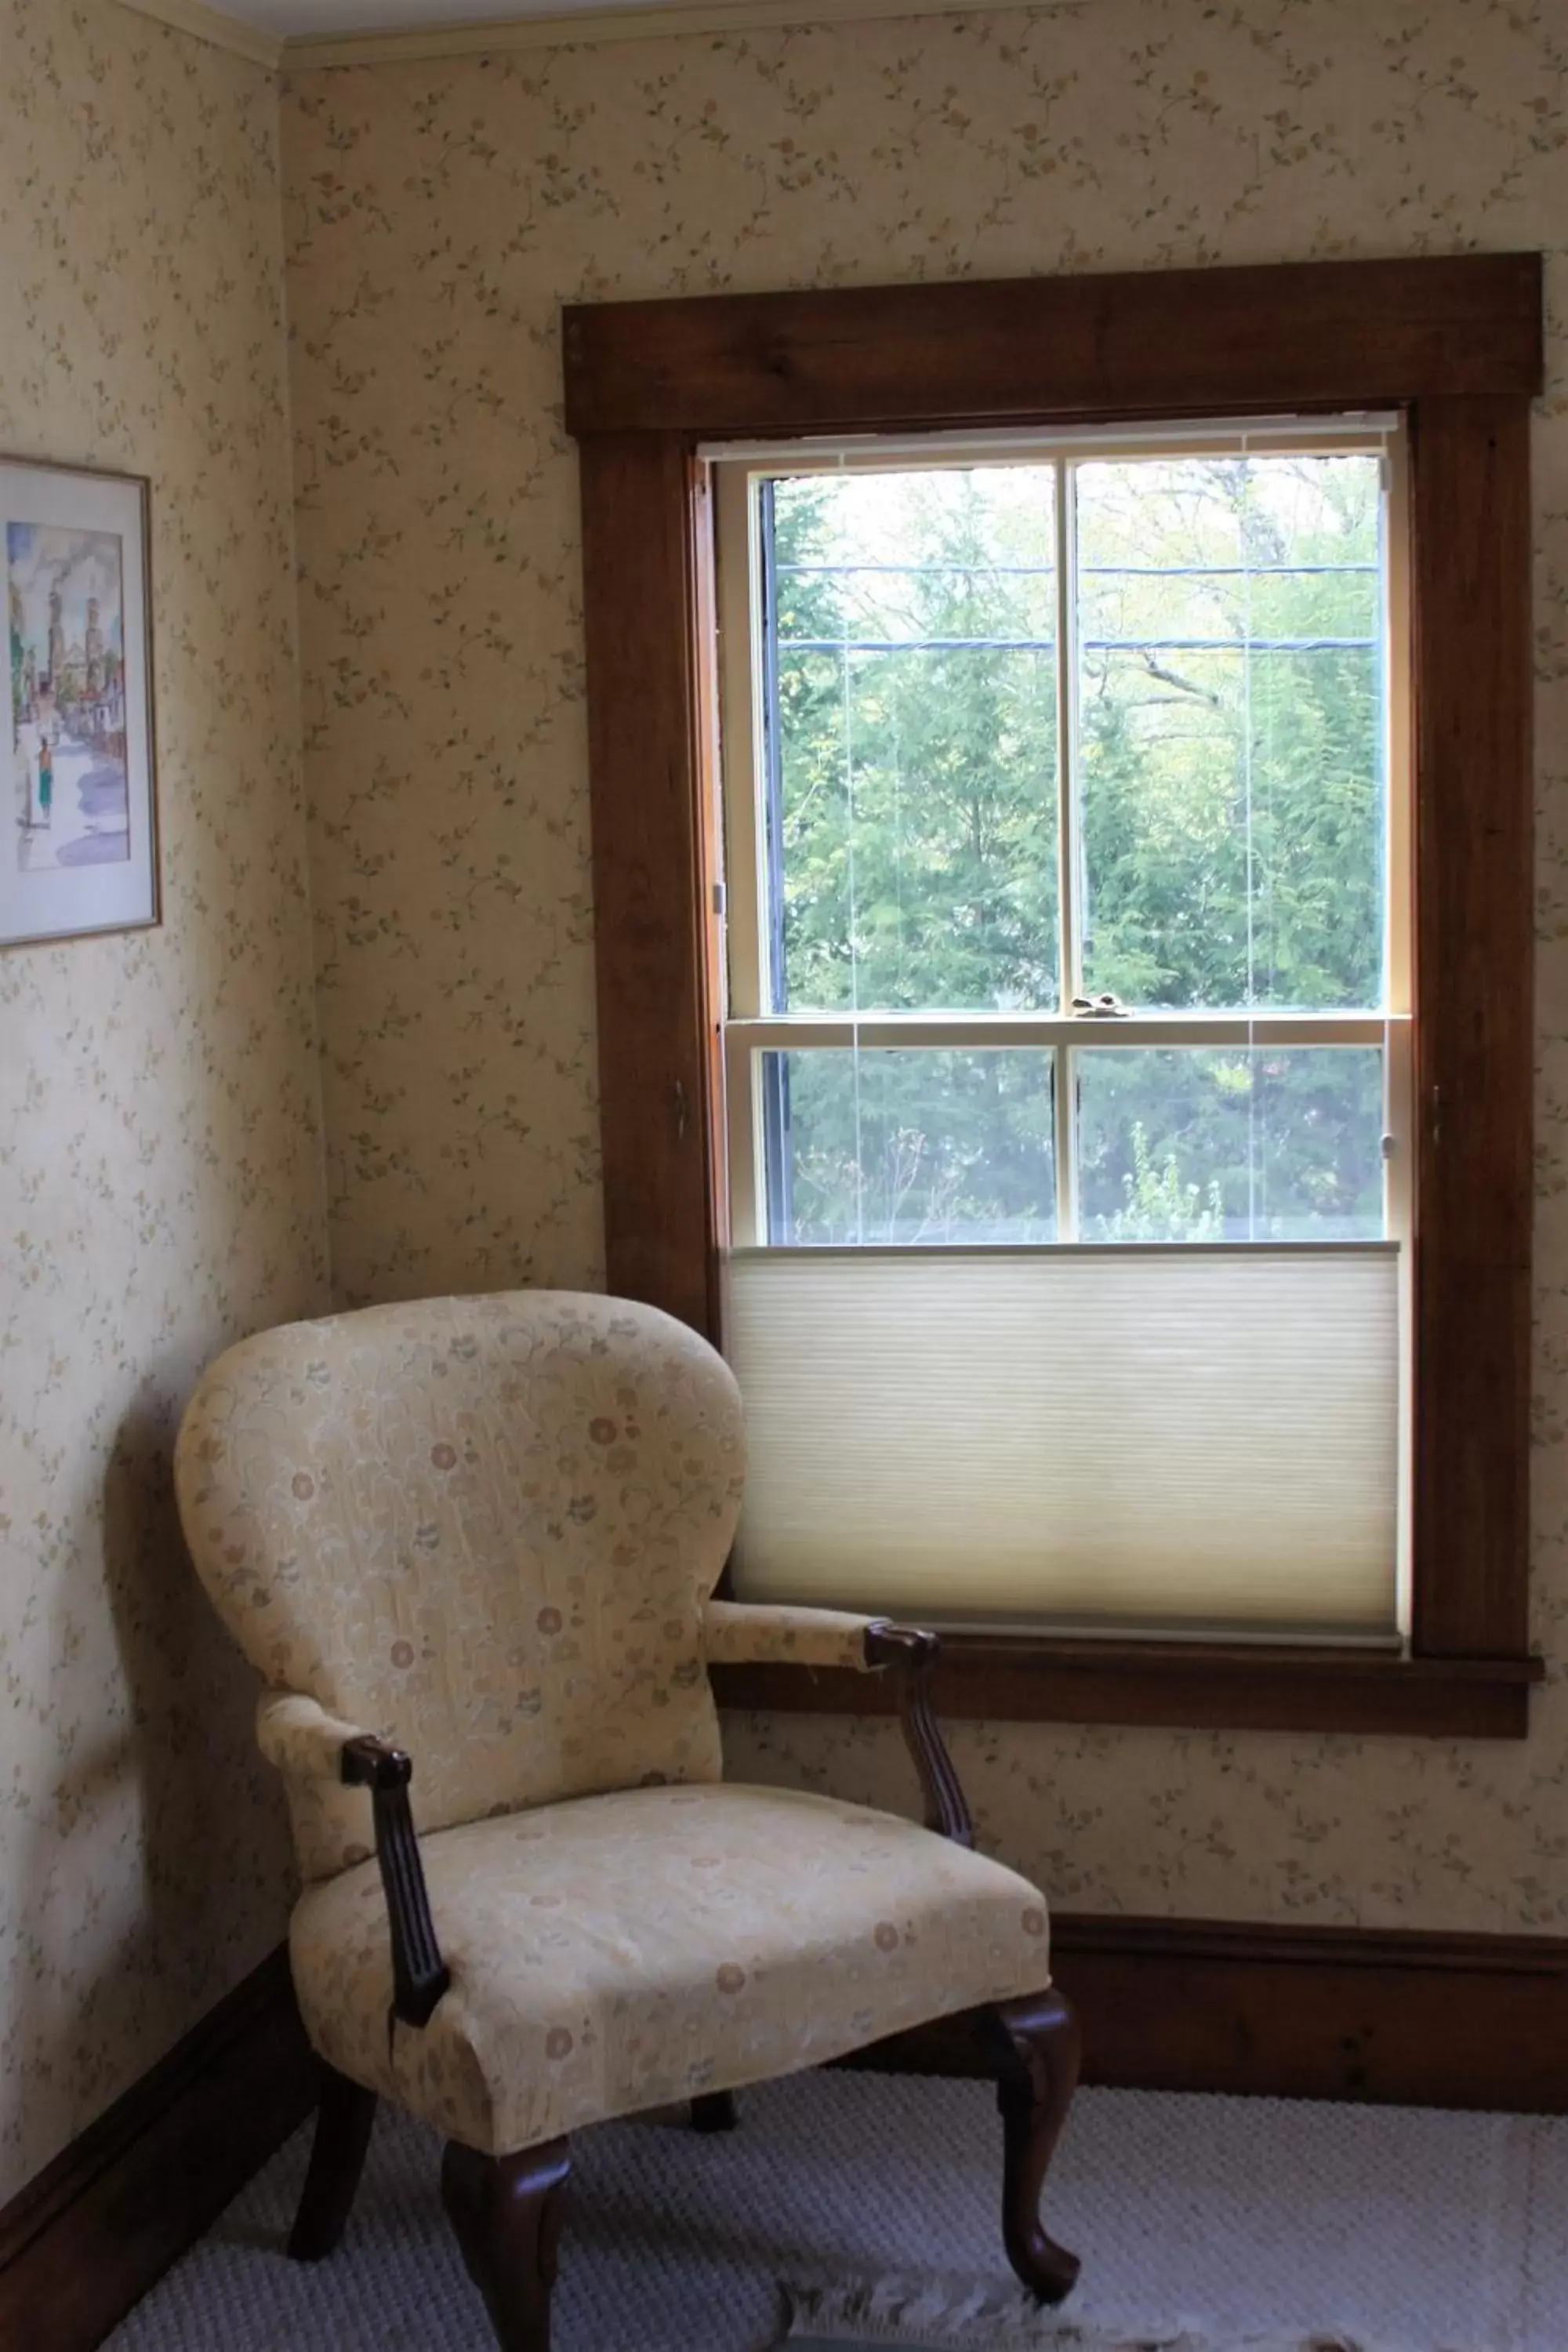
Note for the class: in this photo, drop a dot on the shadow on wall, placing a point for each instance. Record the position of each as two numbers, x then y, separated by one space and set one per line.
116 1968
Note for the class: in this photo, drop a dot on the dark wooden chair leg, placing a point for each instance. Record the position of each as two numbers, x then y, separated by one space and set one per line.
1035 2042
337 2158
507 2211
714 2111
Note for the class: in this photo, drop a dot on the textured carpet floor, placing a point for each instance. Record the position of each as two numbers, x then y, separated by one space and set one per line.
1405 2232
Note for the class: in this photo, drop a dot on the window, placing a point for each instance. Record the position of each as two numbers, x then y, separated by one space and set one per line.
1152 1111
1066 1050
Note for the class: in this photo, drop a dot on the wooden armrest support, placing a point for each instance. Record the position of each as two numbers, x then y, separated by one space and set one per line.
419 1975
908 1653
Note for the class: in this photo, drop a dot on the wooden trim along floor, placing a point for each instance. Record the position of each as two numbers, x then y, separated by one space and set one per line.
1167 2004
1390 2016
89 2235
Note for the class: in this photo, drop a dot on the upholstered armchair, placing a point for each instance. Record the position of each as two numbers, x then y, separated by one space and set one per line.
470 1545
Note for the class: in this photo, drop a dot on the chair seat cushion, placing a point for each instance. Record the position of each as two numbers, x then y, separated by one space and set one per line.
623 1951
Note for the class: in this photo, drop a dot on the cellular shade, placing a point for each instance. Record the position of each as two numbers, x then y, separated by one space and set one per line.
1156 1438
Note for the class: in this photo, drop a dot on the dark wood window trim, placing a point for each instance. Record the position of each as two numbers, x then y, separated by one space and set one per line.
1457 344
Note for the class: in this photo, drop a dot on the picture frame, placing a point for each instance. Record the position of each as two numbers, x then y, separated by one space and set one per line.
79 848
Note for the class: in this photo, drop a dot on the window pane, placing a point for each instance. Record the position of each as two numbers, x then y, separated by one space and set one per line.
910 692
1232 771
923 1146
1206 1144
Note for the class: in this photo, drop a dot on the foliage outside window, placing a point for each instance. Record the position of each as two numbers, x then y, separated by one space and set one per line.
1061 829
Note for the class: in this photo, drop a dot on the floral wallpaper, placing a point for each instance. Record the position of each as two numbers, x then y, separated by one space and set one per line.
161 1135
438 213
161 1187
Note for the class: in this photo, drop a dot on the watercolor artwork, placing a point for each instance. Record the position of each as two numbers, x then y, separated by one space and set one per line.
78 855
67 696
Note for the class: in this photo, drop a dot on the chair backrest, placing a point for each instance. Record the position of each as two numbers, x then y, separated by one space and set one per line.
484 1528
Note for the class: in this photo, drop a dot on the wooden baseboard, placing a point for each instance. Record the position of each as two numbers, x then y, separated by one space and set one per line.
89 2235
1384 2015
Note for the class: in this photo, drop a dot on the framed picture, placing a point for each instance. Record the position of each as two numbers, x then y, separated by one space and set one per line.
78 851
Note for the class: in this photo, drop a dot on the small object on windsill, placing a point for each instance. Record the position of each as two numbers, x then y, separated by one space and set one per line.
1105 1007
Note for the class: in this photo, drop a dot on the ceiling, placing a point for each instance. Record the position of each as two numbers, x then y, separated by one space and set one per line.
302 19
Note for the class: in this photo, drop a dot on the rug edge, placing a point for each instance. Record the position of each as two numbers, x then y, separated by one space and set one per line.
937 2313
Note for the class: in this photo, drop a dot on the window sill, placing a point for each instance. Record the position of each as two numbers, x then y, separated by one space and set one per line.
1179 1684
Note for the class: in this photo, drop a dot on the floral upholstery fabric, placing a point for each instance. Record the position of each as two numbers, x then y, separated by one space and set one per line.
745 1633
301 1738
489 1529
485 1527
625 1951
306 1744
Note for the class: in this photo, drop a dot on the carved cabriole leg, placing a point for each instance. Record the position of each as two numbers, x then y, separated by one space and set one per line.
1035 2042
714 2111
337 2158
506 2212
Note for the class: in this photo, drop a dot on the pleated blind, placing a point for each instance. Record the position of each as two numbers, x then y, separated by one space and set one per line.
1167 1438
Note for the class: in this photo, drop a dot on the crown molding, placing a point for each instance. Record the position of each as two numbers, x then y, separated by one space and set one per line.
658 21
213 25
641 20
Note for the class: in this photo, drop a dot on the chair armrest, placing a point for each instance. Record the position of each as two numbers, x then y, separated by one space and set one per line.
743 1634
754 1633
302 1740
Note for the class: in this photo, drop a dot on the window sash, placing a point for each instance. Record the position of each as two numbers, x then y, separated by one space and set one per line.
745 649
745 1041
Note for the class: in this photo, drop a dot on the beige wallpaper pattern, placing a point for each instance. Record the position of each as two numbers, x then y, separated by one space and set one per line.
160 1137
160 1178
437 215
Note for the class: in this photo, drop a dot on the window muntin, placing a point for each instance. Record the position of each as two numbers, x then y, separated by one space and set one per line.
1005 732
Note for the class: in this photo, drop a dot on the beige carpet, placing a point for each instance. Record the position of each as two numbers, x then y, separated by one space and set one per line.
1378 2228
